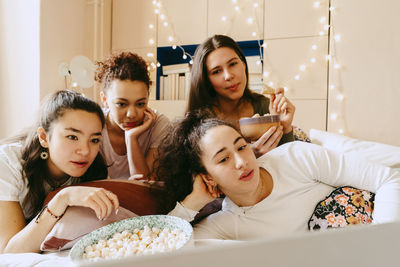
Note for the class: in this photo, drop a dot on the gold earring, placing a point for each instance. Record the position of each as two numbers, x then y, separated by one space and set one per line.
44 155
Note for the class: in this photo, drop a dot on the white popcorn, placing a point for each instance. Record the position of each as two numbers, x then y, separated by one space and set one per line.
136 242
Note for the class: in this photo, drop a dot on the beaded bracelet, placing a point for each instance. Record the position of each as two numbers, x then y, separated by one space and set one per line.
45 208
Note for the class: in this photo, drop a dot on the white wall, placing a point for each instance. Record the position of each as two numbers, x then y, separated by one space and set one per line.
289 33
36 37
369 77
19 64
66 30
367 52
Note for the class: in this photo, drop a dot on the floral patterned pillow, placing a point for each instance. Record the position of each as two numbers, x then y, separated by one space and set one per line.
344 206
300 135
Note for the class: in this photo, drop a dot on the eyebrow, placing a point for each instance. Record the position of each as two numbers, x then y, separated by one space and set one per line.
79 131
124 99
216 67
224 148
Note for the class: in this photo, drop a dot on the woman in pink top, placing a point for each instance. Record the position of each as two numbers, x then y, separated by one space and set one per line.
133 130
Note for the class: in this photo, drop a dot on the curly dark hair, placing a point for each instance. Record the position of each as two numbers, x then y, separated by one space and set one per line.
179 154
122 66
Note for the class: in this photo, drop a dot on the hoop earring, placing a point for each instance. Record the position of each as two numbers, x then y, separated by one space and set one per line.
44 155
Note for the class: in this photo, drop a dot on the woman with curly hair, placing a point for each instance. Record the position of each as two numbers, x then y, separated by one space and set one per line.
272 195
133 130
61 149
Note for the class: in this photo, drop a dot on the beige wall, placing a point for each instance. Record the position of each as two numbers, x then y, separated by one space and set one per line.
19 64
369 77
36 37
367 52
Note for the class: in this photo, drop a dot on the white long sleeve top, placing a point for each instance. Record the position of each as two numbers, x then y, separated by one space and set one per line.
303 174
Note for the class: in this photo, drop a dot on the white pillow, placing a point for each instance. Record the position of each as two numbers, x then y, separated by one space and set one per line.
377 152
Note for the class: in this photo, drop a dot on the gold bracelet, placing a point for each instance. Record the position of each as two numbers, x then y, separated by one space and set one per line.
45 208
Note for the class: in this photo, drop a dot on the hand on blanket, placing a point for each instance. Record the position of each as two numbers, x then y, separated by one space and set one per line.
102 201
201 195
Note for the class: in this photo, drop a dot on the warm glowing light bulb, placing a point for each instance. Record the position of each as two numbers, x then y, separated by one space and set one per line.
266 74
250 20
337 37
322 20
156 11
184 56
258 62
340 97
328 57
321 33
271 84
237 8
336 66
158 64
255 5
341 131
297 77
333 116
331 87
285 89
317 4
162 16
314 47
151 26
159 4
313 60
74 84
165 24
223 18
174 47
254 34
151 41
154 2
264 45
191 62
234 1
170 38
302 67
150 54
331 8
326 27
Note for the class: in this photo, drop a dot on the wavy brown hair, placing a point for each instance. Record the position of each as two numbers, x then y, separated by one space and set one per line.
179 154
33 167
122 66
202 94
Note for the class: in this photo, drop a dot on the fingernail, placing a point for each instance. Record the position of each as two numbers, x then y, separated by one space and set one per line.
116 211
99 218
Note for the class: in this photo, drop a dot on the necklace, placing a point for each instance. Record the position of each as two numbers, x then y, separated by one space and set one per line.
247 209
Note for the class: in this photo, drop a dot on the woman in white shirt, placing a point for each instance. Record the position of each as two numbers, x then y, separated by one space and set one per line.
61 149
273 195
133 130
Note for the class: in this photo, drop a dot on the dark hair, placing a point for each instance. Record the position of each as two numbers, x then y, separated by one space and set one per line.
179 154
122 66
202 93
33 167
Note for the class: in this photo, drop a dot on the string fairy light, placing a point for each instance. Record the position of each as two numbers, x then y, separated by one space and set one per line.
253 21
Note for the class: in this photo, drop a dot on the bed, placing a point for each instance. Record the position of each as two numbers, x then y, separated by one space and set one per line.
310 249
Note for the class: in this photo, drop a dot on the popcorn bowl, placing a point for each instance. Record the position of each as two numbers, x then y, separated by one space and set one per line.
253 128
174 224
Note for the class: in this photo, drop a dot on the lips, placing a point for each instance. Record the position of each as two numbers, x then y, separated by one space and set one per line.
233 88
80 164
247 175
130 124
